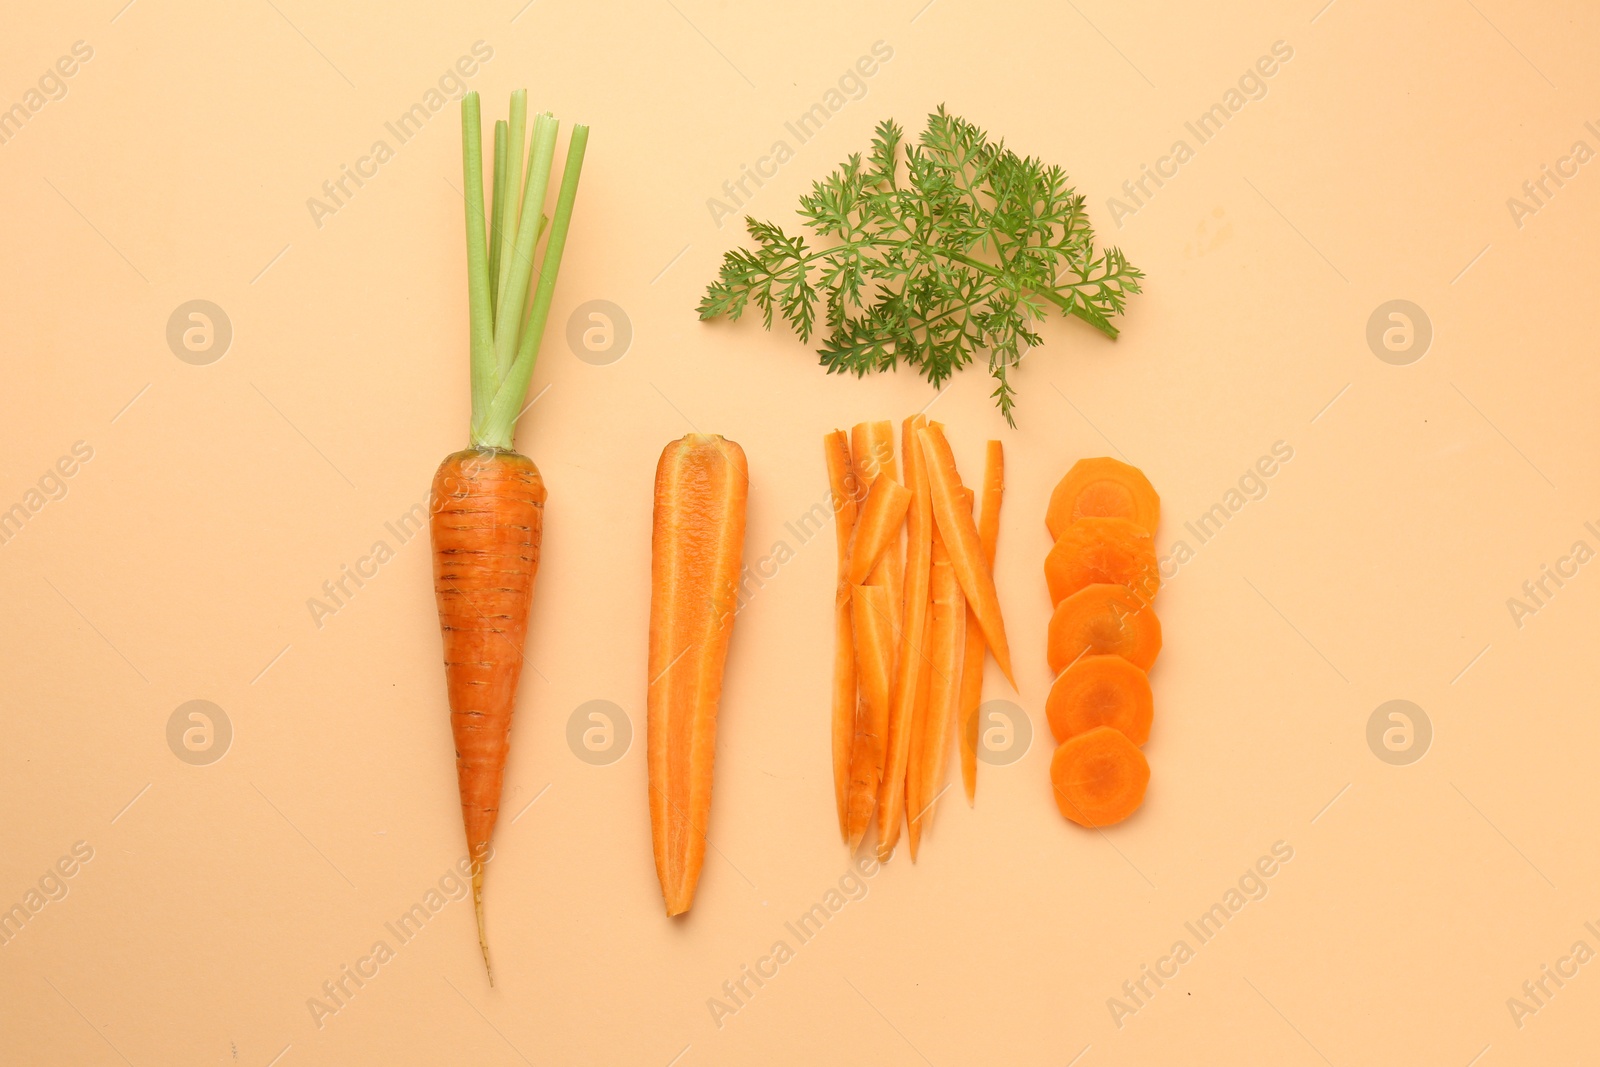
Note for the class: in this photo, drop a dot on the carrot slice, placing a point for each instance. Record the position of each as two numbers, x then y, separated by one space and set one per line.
1100 619
874 653
946 642
1100 691
1099 777
702 483
878 526
966 549
1092 551
919 548
994 486
841 487
1105 488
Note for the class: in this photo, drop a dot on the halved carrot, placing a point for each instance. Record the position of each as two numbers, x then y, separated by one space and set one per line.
841 485
1100 619
966 549
877 527
946 642
1103 488
1100 691
1096 550
1099 777
874 654
702 483
919 547
994 485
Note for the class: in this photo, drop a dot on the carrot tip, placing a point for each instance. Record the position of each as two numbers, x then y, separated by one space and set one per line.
477 906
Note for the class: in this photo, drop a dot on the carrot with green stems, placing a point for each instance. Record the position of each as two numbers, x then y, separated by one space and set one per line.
487 516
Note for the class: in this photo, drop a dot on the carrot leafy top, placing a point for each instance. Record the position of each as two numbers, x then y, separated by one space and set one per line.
506 324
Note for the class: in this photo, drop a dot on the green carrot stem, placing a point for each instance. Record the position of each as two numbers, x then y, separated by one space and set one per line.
541 155
500 422
516 138
497 213
481 330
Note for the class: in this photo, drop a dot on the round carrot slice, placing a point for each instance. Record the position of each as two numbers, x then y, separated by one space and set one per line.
1103 619
1100 691
1097 550
1098 777
1103 488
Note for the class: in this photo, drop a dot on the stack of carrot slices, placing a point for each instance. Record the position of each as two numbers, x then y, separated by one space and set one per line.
1103 638
912 620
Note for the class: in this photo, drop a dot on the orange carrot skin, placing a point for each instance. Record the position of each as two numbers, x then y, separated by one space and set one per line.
486 524
872 625
994 487
841 487
702 484
918 560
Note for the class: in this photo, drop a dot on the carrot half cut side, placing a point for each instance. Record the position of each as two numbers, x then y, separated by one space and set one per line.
1100 691
1103 619
994 487
841 490
1098 778
1106 488
702 484
961 539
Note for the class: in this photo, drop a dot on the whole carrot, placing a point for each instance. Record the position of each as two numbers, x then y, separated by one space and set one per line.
487 517
697 543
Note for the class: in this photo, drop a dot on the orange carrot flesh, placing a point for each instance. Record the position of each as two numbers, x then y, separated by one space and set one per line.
872 624
1103 619
1098 550
877 527
994 485
841 485
702 484
946 643
486 525
1098 777
1106 488
966 549
872 454
919 549
1100 691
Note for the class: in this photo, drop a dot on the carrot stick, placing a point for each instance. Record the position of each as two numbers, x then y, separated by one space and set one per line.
874 652
919 547
872 454
878 526
946 642
841 488
966 549
994 486
702 483
919 726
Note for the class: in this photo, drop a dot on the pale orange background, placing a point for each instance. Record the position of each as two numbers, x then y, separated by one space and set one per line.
1378 567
